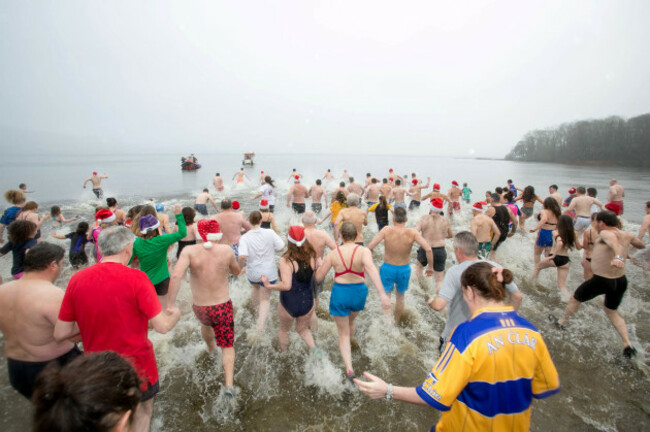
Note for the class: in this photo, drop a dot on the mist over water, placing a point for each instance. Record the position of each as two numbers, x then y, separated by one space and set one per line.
294 391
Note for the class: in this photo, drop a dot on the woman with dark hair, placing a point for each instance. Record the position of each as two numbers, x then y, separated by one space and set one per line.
21 238
17 199
190 226
492 366
565 239
297 267
548 218
336 206
78 240
381 210
57 217
528 198
131 214
96 392
151 249
29 212
267 192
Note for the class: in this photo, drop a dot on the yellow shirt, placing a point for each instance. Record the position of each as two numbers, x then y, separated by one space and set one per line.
336 208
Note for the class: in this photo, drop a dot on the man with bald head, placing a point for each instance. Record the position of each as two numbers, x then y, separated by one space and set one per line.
232 225
615 197
352 214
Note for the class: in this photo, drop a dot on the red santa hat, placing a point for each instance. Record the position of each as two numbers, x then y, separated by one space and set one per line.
235 205
414 181
454 183
105 216
436 205
261 172
264 204
572 191
436 187
390 170
296 179
94 172
296 235
209 231
480 206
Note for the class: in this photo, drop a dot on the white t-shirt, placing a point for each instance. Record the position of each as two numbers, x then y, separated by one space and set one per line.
267 193
259 246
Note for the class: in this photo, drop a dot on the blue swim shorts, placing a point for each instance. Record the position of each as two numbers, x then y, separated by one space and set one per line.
394 275
545 238
347 298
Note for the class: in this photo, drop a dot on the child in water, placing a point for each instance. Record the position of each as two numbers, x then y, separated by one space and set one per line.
57 217
78 240
21 238
466 193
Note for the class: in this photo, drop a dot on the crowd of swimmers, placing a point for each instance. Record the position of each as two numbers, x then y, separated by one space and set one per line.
129 284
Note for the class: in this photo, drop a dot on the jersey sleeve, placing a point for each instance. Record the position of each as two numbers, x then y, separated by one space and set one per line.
373 207
145 294
446 380
546 381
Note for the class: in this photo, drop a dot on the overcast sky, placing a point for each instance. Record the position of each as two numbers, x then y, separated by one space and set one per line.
407 77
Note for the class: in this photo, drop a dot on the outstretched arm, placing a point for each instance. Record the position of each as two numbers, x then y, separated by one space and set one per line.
180 268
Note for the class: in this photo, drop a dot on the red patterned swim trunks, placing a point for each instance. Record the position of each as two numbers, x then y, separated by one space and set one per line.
220 318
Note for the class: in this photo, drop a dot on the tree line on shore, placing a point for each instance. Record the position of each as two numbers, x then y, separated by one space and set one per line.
612 140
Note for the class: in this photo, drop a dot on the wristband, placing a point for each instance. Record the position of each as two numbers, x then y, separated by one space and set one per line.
620 258
389 392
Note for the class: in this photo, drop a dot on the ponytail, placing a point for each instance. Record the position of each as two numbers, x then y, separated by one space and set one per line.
487 281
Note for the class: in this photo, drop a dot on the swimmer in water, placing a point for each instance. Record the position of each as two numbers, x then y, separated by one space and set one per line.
354 215
615 196
454 194
96 181
217 182
435 229
484 228
200 203
317 193
297 193
240 175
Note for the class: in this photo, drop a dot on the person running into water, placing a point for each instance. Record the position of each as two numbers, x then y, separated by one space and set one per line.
467 192
29 212
78 239
484 229
548 218
397 194
328 175
17 199
293 175
581 205
200 203
23 188
484 353
267 192
395 272
588 239
21 239
191 230
350 262
240 175
217 182
528 198
341 188
232 225
28 311
337 205
565 239
435 229
381 210
345 176
454 194
297 193
268 220
257 250
96 181
615 197
209 265
317 193
57 217
354 187
151 251
297 267
502 217
385 189
262 177
608 267
352 214
645 225
435 193
553 193
511 186
372 192
318 239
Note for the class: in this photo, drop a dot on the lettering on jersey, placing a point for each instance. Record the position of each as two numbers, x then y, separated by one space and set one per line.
496 343
428 384
516 338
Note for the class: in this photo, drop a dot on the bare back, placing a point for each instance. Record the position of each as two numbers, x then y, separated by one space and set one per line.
231 225
316 192
358 217
372 193
209 271
398 242
298 193
482 227
357 263
318 240
435 229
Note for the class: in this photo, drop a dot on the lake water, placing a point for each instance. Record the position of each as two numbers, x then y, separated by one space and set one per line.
293 392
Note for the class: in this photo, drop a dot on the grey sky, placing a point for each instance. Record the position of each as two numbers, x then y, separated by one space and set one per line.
409 77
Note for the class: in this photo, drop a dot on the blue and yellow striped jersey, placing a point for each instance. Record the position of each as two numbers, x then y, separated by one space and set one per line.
491 368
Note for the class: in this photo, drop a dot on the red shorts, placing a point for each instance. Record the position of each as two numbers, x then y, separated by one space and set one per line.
456 205
220 318
616 207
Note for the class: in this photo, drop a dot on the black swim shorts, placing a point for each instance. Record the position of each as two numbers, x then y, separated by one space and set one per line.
439 258
598 285
162 287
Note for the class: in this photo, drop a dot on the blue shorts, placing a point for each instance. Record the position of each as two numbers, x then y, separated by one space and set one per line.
545 238
347 298
235 249
400 205
394 275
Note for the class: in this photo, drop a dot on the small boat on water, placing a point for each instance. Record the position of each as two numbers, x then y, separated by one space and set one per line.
190 163
248 159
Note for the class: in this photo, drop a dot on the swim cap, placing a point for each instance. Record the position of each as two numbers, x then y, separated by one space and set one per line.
264 204
159 207
296 235
572 191
454 183
104 216
480 206
148 223
94 172
209 231
436 205
235 205
436 187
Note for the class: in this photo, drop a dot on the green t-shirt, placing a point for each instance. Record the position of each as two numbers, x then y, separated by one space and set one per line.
152 253
466 192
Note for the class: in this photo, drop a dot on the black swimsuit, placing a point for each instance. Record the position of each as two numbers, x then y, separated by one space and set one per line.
299 300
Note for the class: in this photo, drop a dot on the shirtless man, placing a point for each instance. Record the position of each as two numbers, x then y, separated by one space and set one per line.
385 188
231 224
645 225
23 188
395 272
120 215
210 264
454 194
368 179
581 204
608 267
352 214
615 196
355 188
345 176
416 192
163 219
482 227
435 229
372 192
96 180
317 193
553 193
318 240
262 177
341 188
240 175
217 181
397 193
201 201
29 308
435 193
328 175
298 192
293 175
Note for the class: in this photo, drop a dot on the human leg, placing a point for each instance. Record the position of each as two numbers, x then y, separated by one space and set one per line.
208 336
302 328
286 321
562 274
343 328
399 306
228 362
264 306
571 308
142 416
619 324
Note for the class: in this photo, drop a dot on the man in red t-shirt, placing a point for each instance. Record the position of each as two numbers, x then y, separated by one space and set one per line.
112 305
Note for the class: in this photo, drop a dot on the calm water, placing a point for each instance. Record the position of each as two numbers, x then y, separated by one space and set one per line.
293 392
